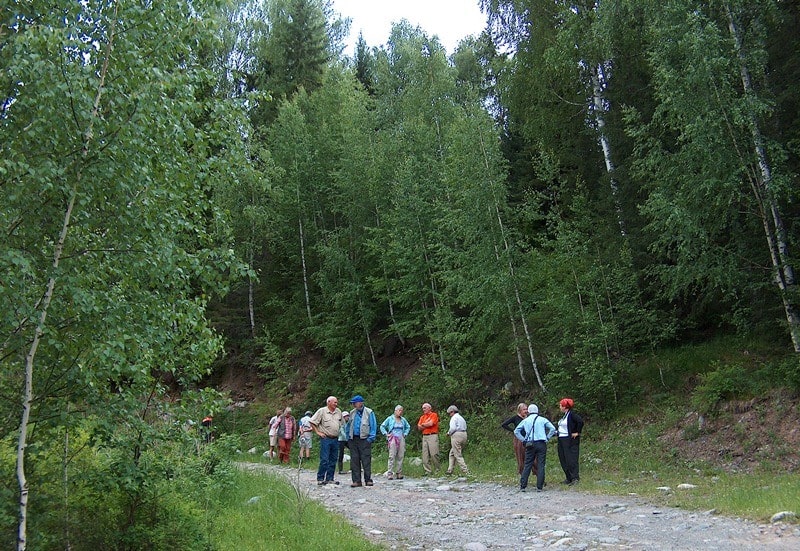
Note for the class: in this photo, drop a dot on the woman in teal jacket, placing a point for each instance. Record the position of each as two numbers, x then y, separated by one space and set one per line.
396 428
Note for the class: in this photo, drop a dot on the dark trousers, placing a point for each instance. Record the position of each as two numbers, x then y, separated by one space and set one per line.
360 458
568 448
342 447
534 453
328 448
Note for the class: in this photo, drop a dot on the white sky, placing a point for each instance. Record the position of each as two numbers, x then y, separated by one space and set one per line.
450 20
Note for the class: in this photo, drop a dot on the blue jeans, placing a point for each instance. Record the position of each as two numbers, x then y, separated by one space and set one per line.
534 452
328 453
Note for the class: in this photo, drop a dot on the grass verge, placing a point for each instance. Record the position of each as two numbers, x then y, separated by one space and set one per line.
265 512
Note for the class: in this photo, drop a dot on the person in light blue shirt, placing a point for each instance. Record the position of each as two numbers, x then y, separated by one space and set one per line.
395 428
534 431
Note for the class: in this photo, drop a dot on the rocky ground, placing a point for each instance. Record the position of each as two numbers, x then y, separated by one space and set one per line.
449 513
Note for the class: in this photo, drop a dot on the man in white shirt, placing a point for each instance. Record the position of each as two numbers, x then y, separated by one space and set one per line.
458 438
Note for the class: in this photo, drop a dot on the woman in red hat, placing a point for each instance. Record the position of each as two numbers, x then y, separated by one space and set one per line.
569 440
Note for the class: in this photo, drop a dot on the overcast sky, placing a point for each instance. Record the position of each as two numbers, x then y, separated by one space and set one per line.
450 20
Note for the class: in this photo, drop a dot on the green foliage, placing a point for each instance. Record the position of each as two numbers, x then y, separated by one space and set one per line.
116 230
725 381
740 379
787 372
106 499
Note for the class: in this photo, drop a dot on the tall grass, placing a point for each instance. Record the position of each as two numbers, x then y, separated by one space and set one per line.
632 461
265 512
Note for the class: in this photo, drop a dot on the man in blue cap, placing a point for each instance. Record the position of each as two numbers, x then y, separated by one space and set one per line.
361 435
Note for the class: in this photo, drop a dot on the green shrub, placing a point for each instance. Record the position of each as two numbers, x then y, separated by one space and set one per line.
787 373
724 382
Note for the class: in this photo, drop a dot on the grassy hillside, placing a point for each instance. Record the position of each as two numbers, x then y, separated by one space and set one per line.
721 416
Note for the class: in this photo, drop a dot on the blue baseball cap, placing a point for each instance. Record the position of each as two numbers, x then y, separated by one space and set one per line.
356 398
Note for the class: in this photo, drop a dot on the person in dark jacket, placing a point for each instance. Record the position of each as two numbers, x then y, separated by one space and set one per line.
519 448
569 441
360 436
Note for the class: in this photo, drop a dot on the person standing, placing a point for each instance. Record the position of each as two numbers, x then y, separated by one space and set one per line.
363 429
343 440
395 428
286 431
273 433
534 432
569 441
458 439
305 431
428 424
519 448
208 428
326 422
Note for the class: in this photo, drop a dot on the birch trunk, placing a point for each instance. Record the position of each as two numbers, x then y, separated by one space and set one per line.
303 261
389 298
774 230
250 301
27 393
513 322
65 482
366 332
435 345
512 276
598 102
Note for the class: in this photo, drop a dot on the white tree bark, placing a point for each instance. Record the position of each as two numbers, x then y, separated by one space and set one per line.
513 322
250 302
599 103
303 262
27 393
774 230
513 277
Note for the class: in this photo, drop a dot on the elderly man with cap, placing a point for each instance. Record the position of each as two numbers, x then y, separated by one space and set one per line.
428 424
326 423
534 431
458 438
343 440
360 436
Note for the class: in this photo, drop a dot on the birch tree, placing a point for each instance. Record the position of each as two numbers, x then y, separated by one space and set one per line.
721 182
106 252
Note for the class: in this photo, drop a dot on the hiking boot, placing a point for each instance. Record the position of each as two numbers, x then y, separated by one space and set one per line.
390 476
399 477
355 485
368 483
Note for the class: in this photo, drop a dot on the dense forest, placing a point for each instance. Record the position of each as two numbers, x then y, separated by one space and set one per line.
193 187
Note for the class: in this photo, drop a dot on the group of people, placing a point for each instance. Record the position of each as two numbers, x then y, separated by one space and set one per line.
357 430
531 433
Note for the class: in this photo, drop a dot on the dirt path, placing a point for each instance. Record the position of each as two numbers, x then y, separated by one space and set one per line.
460 514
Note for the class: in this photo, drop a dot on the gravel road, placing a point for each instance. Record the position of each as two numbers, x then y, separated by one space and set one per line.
449 514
